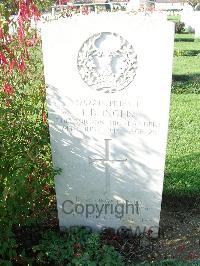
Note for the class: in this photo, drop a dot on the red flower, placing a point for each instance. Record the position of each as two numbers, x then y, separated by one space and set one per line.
149 233
46 188
20 32
30 178
44 118
24 11
192 256
77 245
3 59
22 64
7 102
12 64
8 39
181 248
8 89
77 255
1 33
35 12
85 10
27 54
7 50
64 2
31 42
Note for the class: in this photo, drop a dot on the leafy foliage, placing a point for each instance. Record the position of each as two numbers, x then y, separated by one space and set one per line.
179 27
77 247
26 168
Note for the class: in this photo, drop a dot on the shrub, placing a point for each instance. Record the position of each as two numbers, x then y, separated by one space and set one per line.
77 247
179 27
26 171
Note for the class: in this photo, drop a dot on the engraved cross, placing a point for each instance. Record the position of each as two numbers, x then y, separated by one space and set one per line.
106 162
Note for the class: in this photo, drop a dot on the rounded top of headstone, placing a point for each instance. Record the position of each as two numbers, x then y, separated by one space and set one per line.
107 62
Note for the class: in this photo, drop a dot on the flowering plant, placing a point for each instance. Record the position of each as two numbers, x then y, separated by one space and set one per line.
26 177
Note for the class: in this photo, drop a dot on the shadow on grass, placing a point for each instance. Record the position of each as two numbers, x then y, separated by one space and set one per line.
179 87
181 202
186 52
182 183
184 39
186 78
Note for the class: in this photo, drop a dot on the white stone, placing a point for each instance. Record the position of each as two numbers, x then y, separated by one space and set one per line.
191 20
197 24
159 15
133 5
108 108
197 32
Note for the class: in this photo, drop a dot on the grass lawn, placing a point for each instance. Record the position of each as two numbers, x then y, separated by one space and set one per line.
174 18
182 174
182 163
186 68
186 41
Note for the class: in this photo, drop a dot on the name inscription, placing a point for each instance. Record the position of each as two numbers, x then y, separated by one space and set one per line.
111 116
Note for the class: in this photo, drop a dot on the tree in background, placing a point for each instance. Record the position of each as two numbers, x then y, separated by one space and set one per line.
195 4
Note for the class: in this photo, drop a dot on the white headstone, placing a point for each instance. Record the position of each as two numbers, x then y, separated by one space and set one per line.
159 15
108 92
197 32
191 20
133 5
197 24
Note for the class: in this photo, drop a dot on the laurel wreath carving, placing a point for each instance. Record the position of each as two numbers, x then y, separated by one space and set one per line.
107 81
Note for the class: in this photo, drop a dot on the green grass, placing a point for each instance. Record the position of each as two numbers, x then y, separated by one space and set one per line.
182 174
183 153
186 67
174 18
186 42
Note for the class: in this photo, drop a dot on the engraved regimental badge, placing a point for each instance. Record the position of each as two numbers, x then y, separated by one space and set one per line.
107 62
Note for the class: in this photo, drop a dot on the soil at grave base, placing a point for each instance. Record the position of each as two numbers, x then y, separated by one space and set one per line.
179 229
179 236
